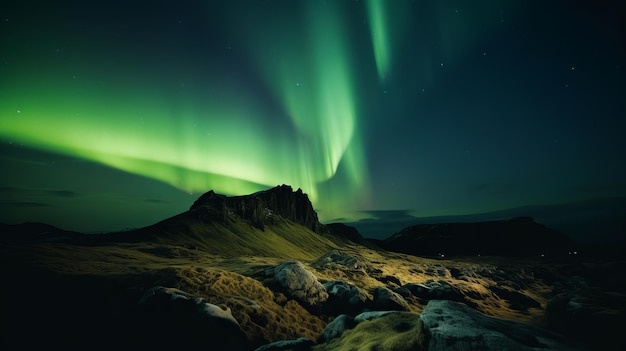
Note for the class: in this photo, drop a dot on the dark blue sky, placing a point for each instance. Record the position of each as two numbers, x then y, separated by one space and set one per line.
118 114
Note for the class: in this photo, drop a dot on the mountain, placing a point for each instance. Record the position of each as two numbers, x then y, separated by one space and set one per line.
277 222
516 236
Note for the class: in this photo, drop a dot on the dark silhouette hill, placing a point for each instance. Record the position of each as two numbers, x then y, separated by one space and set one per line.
517 236
34 232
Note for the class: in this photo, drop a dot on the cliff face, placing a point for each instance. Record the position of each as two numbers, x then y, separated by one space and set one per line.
264 207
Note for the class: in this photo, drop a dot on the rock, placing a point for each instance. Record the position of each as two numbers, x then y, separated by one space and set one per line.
397 331
297 282
435 290
369 315
170 316
261 208
300 344
343 298
339 325
593 317
336 328
339 259
454 326
385 299
390 279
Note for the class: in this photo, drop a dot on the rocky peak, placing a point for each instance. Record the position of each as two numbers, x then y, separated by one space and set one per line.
260 208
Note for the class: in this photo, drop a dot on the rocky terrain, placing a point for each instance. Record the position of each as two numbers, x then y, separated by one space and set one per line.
259 272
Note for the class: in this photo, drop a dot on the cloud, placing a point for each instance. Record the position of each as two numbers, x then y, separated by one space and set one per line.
387 214
156 201
495 188
23 204
63 193
7 190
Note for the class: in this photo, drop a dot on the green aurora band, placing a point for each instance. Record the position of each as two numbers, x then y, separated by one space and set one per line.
220 140
380 36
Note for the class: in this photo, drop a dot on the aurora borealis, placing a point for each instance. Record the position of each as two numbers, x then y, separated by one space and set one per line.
428 107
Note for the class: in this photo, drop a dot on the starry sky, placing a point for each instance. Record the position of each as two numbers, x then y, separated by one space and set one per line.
118 114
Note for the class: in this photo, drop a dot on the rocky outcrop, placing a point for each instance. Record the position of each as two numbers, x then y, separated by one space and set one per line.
261 208
297 282
517 236
454 326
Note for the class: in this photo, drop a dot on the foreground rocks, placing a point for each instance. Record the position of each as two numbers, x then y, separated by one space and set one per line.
455 326
297 282
173 317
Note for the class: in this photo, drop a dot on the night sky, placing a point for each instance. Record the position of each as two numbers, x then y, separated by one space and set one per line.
117 114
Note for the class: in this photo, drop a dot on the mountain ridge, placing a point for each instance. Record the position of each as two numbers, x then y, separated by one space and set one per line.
515 236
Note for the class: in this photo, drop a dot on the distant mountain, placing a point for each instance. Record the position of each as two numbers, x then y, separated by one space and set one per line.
348 233
276 222
516 236
34 232
593 222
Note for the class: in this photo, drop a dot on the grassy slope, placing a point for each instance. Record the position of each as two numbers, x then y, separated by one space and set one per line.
239 238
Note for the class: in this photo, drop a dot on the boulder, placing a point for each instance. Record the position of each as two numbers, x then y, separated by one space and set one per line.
385 299
169 316
338 259
369 315
343 298
435 290
398 331
454 326
336 328
297 282
342 323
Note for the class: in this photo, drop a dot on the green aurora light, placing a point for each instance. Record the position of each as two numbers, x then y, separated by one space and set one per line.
216 140
380 37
